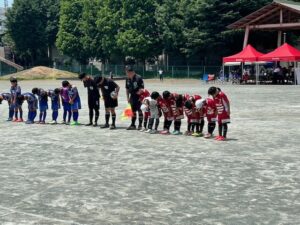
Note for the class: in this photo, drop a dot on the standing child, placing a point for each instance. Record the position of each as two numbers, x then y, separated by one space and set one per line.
110 92
55 104
32 106
15 91
66 103
177 108
43 103
75 101
223 108
7 97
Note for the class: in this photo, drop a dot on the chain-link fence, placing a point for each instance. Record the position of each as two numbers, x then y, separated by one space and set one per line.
148 71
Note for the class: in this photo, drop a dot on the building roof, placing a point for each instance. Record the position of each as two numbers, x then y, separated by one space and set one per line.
270 14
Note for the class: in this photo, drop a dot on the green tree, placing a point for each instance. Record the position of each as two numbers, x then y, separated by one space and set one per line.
69 38
32 27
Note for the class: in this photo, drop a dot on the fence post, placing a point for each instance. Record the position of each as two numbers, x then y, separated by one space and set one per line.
172 71
116 70
188 71
204 71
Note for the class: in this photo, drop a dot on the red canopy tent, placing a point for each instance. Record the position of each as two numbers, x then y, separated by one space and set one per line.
284 53
249 54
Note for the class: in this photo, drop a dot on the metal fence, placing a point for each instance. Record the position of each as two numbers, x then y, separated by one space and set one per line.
184 72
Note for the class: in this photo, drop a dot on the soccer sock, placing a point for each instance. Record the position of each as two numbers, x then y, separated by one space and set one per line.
141 118
177 125
54 115
11 113
197 125
44 116
107 116
33 116
29 116
16 114
65 116
133 119
75 116
41 116
69 115
220 129
211 127
202 123
189 127
151 122
113 117
156 124
91 113
21 113
97 113
146 121
225 129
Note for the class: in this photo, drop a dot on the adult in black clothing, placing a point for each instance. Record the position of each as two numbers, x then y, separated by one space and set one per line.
93 97
110 91
134 87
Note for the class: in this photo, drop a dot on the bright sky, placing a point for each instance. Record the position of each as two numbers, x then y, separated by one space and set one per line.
9 3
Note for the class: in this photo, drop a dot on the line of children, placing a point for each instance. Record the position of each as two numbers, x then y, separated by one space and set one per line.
216 108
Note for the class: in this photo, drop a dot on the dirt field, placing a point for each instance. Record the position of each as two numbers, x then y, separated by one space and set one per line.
79 175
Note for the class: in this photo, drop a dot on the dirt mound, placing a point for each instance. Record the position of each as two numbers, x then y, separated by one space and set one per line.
41 73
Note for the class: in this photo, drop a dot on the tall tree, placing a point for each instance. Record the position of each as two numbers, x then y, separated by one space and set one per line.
32 26
69 38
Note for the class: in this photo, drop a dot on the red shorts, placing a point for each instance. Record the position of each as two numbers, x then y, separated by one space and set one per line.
146 114
223 118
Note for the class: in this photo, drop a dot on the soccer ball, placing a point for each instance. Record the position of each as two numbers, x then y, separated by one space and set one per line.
113 95
199 103
144 108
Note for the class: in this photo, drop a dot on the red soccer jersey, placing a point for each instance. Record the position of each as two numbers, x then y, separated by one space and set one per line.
222 103
144 95
165 108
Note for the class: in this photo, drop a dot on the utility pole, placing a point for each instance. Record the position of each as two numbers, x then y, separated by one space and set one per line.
5 4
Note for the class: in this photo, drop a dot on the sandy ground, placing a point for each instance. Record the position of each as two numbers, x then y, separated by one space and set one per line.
79 175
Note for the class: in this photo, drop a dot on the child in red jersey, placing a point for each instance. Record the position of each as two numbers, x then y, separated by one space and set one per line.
165 104
193 115
209 110
223 108
144 93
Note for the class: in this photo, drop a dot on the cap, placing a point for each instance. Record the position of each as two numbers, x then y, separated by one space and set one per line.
129 68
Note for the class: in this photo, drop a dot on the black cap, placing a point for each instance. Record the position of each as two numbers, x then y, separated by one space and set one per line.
129 68
81 76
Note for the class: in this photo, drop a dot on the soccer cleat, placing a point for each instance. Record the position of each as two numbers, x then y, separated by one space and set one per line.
112 127
131 127
140 128
143 130
188 133
197 134
217 137
89 124
15 120
148 131
165 132
53 122
207 136
75 123
153 132
9 119
63 122
221 139
104 126
95 125
20 120
42 122
176 132
29 122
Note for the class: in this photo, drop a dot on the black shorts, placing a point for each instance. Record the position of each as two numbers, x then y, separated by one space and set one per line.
94 104
110 103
